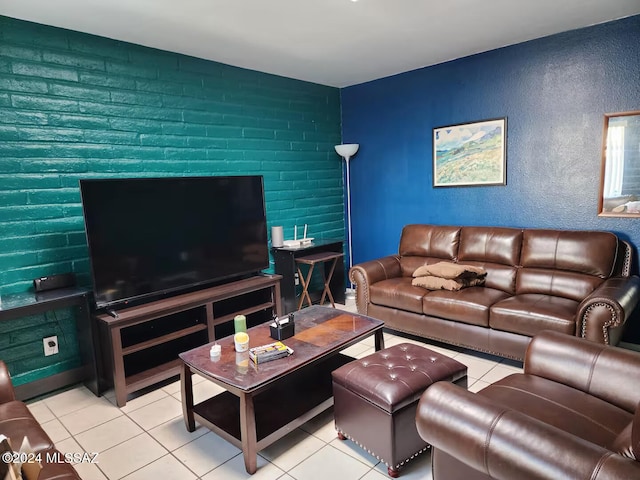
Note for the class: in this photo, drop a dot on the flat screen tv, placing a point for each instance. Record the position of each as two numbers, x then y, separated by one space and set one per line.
150 237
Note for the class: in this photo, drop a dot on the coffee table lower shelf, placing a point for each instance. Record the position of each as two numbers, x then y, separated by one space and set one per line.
287 404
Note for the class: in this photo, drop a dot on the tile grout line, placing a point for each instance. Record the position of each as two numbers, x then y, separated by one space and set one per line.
390 337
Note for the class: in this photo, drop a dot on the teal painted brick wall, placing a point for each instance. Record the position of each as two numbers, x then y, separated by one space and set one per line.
77 106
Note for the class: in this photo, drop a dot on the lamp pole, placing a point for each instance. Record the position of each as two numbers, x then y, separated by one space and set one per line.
346 151
346 159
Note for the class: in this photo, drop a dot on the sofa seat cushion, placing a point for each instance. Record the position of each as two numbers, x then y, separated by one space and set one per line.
569 409
531 313
397 293
628 442
16 422
624 445
470 305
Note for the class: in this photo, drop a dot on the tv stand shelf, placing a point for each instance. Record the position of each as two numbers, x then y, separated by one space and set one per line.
143 342
152 376
163 339
246 312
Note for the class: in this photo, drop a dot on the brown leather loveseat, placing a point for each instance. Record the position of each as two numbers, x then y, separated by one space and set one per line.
16 422
574 282
573 414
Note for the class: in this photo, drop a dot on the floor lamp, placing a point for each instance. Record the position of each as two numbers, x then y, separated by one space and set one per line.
347 151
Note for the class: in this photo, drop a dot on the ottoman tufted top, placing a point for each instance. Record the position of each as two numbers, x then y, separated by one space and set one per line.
397 376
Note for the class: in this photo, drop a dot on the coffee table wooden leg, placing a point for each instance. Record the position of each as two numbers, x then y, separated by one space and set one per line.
379 340
186 387
248 433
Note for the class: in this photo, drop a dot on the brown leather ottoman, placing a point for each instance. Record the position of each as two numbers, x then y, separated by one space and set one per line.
375 399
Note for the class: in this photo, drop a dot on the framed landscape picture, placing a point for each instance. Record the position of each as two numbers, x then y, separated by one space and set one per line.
470 154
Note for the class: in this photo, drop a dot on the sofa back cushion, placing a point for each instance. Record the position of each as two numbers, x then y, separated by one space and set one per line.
568 264
627 443
556 283
497 250
426 244
592 253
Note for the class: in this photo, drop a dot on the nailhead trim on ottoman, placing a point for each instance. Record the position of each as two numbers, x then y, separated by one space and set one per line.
375 399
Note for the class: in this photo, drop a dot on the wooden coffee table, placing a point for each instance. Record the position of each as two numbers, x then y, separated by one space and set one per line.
262 403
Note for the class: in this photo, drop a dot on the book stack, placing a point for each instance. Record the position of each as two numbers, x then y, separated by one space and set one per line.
271 351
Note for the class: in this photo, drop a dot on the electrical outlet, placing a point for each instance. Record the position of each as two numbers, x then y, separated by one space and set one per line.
50 345
296 279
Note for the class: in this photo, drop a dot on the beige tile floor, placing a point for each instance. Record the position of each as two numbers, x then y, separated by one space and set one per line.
147 439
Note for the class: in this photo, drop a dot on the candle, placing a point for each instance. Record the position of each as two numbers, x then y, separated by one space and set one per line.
295 232
215 351
305 231
240 323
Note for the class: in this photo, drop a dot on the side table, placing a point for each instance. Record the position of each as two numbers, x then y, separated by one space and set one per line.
322 258
285 265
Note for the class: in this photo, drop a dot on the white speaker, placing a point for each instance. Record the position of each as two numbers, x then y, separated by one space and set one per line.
277 236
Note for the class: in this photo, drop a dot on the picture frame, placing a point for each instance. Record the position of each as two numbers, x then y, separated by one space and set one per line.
470 154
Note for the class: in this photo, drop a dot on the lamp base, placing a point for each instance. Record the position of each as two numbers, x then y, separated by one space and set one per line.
350 294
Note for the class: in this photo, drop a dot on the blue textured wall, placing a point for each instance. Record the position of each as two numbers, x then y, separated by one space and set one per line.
76 106
553 91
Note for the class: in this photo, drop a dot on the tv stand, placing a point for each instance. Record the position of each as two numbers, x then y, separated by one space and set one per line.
143 342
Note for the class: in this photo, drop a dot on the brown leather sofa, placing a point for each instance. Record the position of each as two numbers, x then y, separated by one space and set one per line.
16 422
574 282
573 414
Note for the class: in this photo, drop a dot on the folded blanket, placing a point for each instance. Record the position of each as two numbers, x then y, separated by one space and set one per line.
438 283
450 270
448 276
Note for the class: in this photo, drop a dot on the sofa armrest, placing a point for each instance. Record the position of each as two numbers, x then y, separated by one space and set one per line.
57 471
506 444
607 308
7 394
366 274
600 370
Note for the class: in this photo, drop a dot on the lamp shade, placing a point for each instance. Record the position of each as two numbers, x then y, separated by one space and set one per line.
347 149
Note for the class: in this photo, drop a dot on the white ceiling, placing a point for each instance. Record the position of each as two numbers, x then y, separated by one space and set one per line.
331 42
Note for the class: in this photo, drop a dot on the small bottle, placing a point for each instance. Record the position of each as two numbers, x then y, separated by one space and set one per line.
240 323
